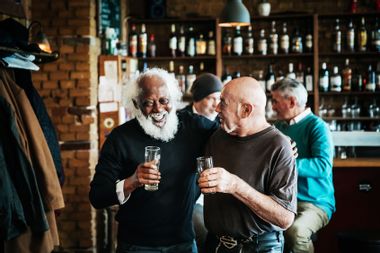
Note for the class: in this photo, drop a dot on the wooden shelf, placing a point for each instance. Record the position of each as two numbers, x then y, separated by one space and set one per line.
356 162
257 56
352 119
179 58
349 54
349 14
171 20
283 15
350 93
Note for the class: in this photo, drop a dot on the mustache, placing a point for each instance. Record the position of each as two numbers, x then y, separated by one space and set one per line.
157 115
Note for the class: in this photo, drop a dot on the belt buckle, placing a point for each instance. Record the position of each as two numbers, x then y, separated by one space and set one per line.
228 241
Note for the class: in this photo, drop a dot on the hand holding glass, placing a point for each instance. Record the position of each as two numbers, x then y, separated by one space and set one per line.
152 153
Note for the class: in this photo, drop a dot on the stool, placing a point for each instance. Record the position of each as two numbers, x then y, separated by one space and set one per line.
354 241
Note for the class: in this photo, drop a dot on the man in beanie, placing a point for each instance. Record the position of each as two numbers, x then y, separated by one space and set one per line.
206 95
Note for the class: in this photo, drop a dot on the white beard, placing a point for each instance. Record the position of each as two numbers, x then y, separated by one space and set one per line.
165 133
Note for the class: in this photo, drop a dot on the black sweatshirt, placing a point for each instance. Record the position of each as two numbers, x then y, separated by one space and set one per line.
162 217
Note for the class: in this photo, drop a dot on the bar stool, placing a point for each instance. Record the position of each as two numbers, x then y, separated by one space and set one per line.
354 241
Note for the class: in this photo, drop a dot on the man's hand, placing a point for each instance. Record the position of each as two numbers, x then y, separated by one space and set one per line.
217 180
146 173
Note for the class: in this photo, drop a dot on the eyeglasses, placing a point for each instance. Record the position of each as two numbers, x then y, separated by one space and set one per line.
149 103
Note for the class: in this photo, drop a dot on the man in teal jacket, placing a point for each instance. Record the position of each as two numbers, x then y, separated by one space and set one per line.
316 202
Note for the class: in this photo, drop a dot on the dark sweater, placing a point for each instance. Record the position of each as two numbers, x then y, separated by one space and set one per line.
162 217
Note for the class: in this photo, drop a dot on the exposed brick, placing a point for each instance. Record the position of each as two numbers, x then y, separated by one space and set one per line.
66 84
59 75
78 163
50 67
66 49
50 85
81 101
80 75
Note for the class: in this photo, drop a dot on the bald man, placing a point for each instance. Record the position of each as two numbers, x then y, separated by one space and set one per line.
254 179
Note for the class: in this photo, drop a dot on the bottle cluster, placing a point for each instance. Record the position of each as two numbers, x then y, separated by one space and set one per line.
298 71
183 41
276 40
348 79
362 38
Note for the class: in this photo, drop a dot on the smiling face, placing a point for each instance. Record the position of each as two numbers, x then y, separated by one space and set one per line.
228 110
154 101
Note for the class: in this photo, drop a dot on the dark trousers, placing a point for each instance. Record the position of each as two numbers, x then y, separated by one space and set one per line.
189 247
272 242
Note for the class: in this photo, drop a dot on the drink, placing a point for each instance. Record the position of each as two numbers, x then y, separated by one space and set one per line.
237 42
227 44
291 73
270 78
262 43
204 163
347 76
350 37
152 46
324 78
273 39
191 47
284 40
249 42
337 44
362 37
133 38
181 41
201 45
309 79
211 44
190 78
152 153
336 80
309 41
297 44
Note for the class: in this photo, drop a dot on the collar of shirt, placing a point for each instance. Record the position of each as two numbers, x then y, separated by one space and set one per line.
300 116
212 117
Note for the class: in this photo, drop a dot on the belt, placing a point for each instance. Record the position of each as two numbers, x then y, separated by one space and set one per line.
230 242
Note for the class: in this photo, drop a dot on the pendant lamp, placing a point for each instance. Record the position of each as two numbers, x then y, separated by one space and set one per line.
234 14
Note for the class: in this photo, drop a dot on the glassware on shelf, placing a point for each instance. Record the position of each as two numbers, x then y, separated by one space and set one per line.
355 108
341 153
374 110
346 109
322 108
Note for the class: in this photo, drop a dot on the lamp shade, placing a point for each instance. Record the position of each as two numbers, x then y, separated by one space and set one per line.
234 14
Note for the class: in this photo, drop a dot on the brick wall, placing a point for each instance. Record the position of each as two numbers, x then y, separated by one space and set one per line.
69 89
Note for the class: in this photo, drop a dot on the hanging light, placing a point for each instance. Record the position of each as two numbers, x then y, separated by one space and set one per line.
234 14
38 37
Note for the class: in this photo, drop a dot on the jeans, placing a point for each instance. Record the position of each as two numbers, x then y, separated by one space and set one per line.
189 247
268 243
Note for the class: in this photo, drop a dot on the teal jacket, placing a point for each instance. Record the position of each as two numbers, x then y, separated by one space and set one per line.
314 162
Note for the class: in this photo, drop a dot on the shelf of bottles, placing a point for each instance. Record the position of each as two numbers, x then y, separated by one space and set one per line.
185 47
349 74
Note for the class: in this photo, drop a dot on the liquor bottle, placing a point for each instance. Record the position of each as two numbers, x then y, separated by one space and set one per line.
152 46
262 43
181 78
191 40
269 78
237 42
309 79
337 37
261 79
133 38
201 45
357 81
371 79
324 78
362 37
173 41
309 41
171 68
350 37
378 76
347 76
249 44
211 47
227 44
300 75
190 78
284 40
181 41
375 36
280 75
201 68
143 42
336 80
226 77
297 44
291 73
273 39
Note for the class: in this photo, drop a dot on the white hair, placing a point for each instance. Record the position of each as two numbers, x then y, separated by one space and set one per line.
289 87
134 90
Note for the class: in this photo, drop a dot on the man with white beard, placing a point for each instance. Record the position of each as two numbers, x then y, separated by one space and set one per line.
152 221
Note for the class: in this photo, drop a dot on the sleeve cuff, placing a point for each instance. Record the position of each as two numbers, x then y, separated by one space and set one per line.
120 192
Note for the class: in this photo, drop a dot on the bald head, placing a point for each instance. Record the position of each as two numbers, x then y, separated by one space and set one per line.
247 90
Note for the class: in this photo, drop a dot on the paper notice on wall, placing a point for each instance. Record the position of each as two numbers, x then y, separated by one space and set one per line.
110 70
107 90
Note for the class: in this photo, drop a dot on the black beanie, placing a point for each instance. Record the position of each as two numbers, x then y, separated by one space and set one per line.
205 85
